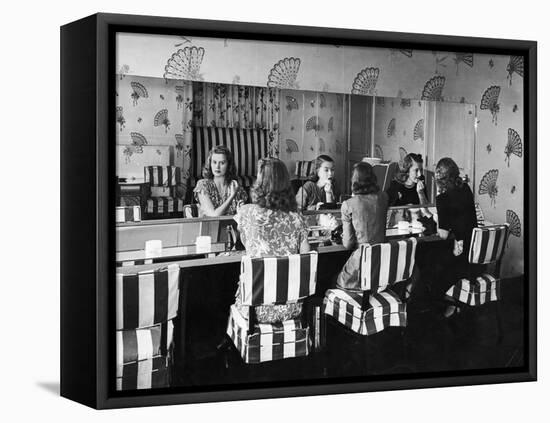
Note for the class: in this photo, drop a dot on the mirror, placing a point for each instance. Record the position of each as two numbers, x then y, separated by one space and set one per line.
159 175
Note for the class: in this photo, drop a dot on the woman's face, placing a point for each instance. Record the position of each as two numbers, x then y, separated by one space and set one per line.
414 172
218 164
326 171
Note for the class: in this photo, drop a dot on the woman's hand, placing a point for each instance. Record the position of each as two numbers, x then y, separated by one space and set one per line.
420 186
233 187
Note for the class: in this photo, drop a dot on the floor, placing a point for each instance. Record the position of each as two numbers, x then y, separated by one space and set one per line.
430 343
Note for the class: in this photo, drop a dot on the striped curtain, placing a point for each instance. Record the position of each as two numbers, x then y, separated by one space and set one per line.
237 106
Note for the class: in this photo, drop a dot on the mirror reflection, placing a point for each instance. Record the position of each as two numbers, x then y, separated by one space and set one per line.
320 138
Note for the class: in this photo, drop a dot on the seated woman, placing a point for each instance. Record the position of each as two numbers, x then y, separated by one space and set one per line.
320 188
408 186
457 217
363 220
270 226
219 193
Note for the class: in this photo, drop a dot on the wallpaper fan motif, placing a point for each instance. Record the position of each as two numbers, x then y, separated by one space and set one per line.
418 133
185 64
365 82
139 90
378 152
291 103
466 58
515 65
515 224
489 101
433 89
390 132
284 73
161 118
513 146
488 185
138 141
120 117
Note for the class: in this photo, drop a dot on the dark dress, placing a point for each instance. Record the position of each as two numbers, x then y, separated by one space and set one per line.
457 214
363 221
310 194
400 195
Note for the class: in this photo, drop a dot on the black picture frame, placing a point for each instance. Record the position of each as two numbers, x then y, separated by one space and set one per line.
87 197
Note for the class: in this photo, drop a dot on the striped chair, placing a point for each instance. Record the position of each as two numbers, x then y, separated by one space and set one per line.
163 181
146 306
303 168
375 307
247 146
272 280
191 210
487 247
128 214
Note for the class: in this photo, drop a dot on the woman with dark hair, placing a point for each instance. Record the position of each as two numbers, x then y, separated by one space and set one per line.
271 226
363 220
456 216
219 192
320 187
408 186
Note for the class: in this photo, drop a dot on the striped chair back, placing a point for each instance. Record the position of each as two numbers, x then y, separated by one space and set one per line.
487 245
191 210
128 214
278 280
147 298
162 176
304 168
143 344
247 146
384 264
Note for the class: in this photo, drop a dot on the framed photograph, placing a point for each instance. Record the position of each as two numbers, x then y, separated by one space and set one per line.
257 211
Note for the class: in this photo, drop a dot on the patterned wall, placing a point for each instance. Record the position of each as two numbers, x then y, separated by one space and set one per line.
312 124
492 82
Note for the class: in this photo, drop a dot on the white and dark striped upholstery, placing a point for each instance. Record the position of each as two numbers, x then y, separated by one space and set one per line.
141 344
144 374
247 146
487 246
268 342
163 206
162 176
273 280
476 291
128 214
147 299
304 168
278 280
375 307
385 264
385 310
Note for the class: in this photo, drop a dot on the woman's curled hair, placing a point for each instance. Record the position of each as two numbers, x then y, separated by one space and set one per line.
404 167
272 189
447 175
363 179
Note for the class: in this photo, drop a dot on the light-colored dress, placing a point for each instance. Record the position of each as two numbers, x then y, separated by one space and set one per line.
266 232
208 187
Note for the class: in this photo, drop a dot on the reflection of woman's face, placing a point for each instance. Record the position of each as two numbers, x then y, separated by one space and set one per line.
414 173
218 164
325 172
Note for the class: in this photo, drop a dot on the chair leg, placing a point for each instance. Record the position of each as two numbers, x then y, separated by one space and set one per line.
498 317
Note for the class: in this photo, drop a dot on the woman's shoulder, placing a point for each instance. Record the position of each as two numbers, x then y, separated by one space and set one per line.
204 183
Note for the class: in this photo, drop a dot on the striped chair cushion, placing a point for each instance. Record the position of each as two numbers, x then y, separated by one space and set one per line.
163 205
247 146
278 280
488 244
148 298
385 264
191 210
268 342
386 310
128 214
145 374
476 292
162 176
142 344
304 168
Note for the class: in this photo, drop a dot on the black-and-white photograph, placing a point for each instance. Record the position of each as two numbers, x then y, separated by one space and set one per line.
300 213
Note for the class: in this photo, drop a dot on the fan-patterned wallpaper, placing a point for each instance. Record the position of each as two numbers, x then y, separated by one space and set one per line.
492 82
